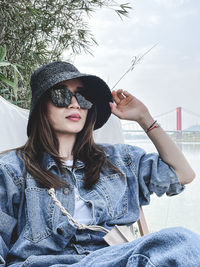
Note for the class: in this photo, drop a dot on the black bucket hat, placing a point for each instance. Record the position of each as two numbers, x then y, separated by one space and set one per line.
50 74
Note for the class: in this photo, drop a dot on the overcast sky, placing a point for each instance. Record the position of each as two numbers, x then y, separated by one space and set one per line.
169 75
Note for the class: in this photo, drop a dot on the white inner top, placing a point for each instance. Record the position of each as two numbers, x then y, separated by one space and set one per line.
82 211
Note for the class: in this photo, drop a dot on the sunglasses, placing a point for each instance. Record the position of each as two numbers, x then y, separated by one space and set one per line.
61 97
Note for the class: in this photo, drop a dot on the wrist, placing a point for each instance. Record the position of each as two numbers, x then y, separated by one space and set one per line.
146 121
154 125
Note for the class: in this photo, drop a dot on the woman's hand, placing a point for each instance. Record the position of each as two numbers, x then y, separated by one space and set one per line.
128 107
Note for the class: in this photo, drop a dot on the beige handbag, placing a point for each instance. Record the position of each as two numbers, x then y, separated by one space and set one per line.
121 234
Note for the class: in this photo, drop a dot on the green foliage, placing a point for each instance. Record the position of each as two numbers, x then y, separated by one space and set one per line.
38 31
9 94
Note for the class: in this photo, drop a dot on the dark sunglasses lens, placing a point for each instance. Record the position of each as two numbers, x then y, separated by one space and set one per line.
84 103
60 97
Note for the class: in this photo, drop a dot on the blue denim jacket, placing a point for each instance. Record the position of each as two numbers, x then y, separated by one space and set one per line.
32 224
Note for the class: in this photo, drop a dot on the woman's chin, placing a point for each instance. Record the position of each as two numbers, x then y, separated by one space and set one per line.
69 131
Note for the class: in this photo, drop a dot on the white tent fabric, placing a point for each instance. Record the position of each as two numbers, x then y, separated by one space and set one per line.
111 132
14 120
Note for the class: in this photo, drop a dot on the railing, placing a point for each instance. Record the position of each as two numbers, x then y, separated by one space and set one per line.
178 136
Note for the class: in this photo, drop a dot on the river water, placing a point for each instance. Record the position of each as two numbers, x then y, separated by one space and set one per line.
180 210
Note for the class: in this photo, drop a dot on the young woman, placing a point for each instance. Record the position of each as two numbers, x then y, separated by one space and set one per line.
61 193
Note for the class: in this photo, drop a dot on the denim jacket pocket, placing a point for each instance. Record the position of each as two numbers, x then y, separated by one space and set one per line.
39 214
114 190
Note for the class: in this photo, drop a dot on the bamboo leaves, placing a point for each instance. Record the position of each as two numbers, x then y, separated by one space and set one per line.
2 53
9 94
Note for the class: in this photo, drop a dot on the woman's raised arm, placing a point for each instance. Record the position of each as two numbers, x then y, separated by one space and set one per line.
128 107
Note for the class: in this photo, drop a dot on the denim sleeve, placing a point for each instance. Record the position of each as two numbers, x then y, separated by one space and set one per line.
7 220
154 175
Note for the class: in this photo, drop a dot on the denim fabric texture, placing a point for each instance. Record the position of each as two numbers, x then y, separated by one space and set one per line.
34 232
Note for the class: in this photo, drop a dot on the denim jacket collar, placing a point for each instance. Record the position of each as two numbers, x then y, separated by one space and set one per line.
49 162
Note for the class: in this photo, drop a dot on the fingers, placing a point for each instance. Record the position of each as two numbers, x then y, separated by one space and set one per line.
114 110
120 95
127 94
116 97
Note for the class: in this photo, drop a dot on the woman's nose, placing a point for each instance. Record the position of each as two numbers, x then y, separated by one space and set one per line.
74 103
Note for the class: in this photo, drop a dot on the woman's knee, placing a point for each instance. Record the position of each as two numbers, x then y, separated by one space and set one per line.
180 233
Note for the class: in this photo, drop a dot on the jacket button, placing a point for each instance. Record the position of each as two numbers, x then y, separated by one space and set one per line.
66 191
59 231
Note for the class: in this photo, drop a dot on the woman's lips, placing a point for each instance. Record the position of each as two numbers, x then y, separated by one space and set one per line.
74 117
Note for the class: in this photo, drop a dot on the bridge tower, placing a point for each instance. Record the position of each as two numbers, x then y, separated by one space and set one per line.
178 119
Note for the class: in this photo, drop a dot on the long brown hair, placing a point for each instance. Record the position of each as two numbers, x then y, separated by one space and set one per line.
43 139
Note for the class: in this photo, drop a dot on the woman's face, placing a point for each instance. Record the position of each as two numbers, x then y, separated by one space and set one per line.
71 119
